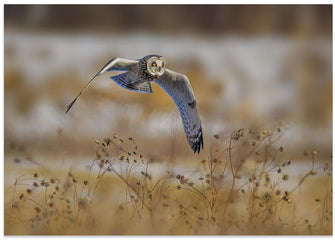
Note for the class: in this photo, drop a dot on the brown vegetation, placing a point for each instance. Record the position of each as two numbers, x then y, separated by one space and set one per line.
244 187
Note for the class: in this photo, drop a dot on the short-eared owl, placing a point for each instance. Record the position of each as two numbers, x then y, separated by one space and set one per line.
137 77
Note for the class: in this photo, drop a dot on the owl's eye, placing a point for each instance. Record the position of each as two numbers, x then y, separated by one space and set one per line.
154 64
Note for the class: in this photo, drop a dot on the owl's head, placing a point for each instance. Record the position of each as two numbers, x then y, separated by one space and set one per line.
156 65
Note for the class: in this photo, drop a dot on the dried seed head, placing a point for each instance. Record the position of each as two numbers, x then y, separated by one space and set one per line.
267 195
37 209
107 141
285 177
267 178
281 149
35 175
183 180
35 184
85 182
313 172
29 191
288 200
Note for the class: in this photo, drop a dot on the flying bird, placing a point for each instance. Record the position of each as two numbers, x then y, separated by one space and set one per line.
137 77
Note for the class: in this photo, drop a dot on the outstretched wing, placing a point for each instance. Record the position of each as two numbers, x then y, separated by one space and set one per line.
180 90
116 64
119 64
130 81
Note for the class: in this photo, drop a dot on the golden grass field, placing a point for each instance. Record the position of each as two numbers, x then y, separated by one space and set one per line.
245 187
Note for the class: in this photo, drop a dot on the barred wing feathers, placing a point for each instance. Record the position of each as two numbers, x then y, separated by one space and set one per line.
115 64
180 90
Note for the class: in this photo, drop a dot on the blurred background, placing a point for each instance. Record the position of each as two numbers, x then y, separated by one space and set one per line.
250 66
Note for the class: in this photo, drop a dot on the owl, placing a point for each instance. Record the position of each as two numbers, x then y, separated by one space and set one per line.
138 75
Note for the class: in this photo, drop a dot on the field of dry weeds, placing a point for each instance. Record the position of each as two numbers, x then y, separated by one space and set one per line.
246 186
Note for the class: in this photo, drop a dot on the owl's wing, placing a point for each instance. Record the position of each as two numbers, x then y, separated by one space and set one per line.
180 90
130 81
116 64
119 64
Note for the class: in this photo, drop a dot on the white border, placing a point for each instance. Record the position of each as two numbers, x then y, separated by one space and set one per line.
282 2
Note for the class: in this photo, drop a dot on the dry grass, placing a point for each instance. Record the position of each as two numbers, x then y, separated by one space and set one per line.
244 187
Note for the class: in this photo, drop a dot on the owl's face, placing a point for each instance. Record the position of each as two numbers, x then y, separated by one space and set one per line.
156 66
